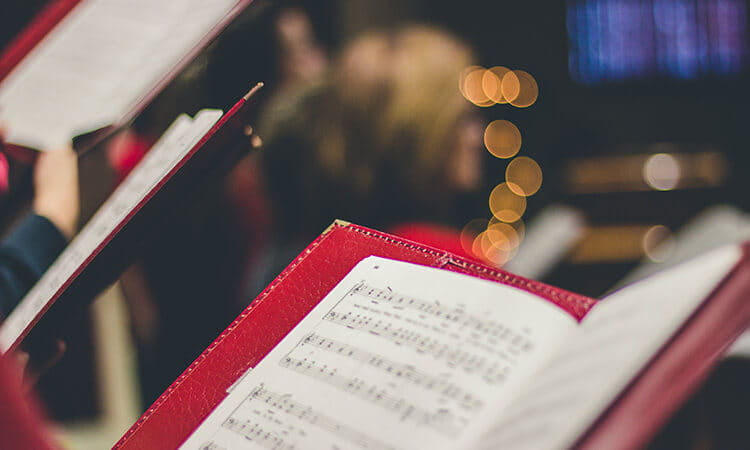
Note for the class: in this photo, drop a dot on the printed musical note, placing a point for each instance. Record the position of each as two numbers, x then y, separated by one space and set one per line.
405 372
211 446
370 367
256 433
442 421
491 371
453 315
285 404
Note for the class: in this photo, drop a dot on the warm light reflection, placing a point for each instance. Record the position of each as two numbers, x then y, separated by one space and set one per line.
524 176
506 205
525 84
470 85
476 246
502 139
469 233
505 234
679 169
496 245
658 243
618 243
492 241
519 226
662 172
511 86
496 252
492 83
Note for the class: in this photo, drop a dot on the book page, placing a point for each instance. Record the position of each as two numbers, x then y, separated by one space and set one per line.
98 63
397 355
172 147
616 340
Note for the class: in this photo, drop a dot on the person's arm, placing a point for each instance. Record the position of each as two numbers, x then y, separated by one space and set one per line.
24 256
30 249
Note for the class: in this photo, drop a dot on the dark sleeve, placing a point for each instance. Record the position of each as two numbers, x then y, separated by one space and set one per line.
24 256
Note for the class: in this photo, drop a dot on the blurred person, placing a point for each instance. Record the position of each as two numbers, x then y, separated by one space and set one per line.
385 140
30 248
188 284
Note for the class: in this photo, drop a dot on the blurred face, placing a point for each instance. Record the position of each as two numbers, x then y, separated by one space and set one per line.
465 165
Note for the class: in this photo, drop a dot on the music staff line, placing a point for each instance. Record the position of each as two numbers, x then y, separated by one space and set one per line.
285 404
442 420
403 371
256 433
453 357
450 314
211 446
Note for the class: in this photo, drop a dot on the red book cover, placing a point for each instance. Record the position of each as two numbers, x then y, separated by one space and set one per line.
630 421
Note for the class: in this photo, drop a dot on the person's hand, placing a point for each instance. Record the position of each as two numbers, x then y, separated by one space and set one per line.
56 189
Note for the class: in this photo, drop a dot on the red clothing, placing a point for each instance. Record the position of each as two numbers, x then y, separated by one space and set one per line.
21 423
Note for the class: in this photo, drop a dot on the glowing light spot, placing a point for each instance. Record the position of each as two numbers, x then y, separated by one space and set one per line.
519 226
658 243
524 176
510 86
505 204
504 234
469 233
526 87
476 246
493 247
470 85
492 83
502 139
661 171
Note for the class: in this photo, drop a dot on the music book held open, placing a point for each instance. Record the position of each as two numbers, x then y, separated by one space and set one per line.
192 153
83 65
370 341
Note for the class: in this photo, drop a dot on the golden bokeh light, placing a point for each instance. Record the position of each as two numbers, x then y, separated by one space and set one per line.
493 247
505 234
469 233
502 138
476 246
510 86
505 204
524 88
470 85
492 83
524 176
661 172
518 225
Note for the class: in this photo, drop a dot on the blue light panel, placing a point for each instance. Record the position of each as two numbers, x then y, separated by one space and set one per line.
615 41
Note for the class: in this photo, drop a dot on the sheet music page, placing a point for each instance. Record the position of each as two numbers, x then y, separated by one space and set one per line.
163 156
614 342
98 63
397 355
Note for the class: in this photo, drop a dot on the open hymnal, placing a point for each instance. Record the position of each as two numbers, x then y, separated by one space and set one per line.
394 354
101 63
403 356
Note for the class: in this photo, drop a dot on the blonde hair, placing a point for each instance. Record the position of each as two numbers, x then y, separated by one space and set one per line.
379 130
398 103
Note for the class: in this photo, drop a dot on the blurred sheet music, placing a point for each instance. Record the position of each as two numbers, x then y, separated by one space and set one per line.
164 155
98 64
